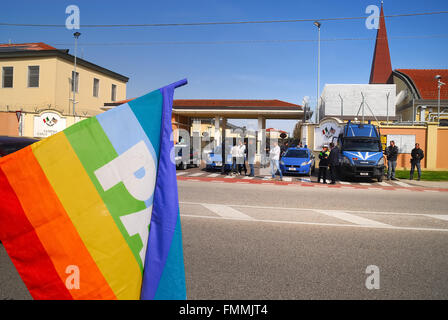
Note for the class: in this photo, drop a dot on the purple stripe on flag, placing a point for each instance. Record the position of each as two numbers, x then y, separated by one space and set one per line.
165 206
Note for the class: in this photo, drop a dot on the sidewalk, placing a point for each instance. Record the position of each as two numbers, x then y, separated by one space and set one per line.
426 184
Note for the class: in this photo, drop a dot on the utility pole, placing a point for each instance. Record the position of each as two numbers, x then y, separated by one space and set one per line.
75 78
318 24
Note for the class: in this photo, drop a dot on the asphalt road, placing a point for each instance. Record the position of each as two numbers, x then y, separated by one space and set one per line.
248 241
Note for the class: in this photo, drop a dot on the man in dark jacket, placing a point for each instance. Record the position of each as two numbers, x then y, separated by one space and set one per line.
323 164
392 155
416 156
333 161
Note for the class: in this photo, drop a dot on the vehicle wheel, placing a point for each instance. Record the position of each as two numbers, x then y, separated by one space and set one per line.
184 166
380 179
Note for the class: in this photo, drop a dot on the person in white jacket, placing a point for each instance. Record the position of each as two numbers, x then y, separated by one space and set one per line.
240 157
274 157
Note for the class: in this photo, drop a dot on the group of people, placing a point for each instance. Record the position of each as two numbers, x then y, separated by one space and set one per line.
328 159
417 155
240 154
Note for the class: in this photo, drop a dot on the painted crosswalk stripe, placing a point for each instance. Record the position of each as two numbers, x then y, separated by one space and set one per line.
438 216
180 173
402 184
213 175
384 184
305 179
266 178
226 211
365 184
351 218
289 179
229 177
197 174
248 178
344 182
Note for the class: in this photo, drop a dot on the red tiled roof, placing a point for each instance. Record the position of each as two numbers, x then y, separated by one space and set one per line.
425 82
231 103
28 46
381 71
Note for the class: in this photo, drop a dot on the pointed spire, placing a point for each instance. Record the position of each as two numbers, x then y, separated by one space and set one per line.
381 71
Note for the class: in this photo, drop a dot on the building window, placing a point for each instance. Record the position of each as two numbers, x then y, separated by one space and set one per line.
75 81
96 86
7 78
114 93
33 77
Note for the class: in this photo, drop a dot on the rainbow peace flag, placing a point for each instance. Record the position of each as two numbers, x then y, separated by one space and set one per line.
92 212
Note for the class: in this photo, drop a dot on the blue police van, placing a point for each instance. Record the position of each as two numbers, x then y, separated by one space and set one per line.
361 153
298 161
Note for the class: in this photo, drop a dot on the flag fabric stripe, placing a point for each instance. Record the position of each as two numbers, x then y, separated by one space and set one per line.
53 227
18 237
148 111
89 215
166 206
117 200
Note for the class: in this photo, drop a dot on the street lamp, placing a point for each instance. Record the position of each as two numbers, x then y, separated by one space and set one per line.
318 24
75 78
439 85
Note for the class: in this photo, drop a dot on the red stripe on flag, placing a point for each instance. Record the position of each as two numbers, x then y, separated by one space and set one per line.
25 249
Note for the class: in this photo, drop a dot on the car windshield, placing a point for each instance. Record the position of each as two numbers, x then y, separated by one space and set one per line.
296 154
363 145
6 149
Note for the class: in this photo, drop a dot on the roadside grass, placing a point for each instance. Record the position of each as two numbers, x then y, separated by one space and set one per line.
426 175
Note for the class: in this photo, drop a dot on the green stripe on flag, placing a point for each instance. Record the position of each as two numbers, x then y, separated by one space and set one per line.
94 150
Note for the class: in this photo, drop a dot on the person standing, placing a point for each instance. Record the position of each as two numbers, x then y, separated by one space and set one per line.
234 152
333 162
251 157
392 155
324 156
241 157
274 157
416 156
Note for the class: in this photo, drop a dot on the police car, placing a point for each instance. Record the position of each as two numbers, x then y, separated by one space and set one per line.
298 161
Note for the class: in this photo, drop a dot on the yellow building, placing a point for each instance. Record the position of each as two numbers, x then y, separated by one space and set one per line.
36 78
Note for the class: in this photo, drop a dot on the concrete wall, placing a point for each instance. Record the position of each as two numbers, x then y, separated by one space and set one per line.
9 126
375 96
87 103
442 149
403 160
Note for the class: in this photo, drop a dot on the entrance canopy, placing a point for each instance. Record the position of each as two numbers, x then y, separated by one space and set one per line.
237 109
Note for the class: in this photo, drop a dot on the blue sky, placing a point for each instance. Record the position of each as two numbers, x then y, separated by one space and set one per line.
285 71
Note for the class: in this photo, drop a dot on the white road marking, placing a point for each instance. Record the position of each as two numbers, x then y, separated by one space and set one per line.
266 178
180 173
248 178
384 184
213 175
229 177
344 182
352 218
197 174
438 216
387 227
305 179
312 209
289 179
365 184
226 211
402 184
